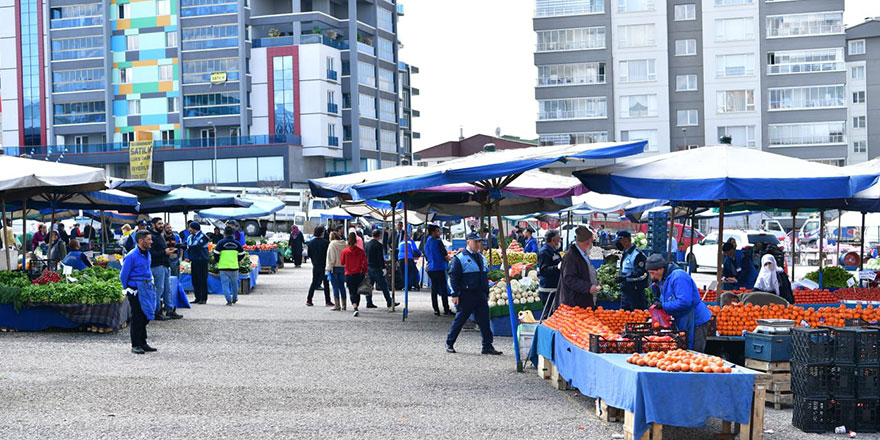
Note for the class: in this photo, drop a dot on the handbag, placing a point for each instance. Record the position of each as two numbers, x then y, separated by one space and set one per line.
366 287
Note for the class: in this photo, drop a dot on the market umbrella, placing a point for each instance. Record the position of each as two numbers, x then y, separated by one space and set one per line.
140 188
261 207
190 199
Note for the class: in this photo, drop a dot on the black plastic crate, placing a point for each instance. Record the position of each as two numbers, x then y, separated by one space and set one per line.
812 414
860 415
843 381
854 345
867 378
646 328
811 380
631 344
664 342
812 345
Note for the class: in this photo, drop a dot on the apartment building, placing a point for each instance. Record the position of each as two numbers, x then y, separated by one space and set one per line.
770 74
228 91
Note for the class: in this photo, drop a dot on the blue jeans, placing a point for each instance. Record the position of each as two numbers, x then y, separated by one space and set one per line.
229 282
337 278
162 279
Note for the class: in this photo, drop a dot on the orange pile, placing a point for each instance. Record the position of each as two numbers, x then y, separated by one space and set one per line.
733 319
576 324
680 360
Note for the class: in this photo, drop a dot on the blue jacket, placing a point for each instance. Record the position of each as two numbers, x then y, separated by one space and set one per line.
468 275
548 266
240 238
197 246
531 246
135 267
74 260
436 254
413 250
740 268
681 299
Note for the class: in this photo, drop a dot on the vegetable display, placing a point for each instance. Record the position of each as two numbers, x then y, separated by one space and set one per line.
734 319
261 247
94 285
577 324
14 279
832 276
524 291
607 273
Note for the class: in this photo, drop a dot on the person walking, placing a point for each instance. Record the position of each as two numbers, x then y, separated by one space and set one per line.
548 266
438 263
227 253
197 251
296 245
335 270
354 260
376 268
680 298
137 280
633 277
470 293
161 269
578 283
318 246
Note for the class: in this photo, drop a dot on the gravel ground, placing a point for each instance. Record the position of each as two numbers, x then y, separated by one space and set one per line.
270 367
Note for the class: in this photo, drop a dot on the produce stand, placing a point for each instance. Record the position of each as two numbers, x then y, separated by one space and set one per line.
650 396
35 317
268 260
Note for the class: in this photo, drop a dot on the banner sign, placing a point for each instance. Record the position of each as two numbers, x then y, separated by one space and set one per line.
140 159
218 77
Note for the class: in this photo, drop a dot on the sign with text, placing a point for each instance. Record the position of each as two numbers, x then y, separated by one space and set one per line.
140 159
218 77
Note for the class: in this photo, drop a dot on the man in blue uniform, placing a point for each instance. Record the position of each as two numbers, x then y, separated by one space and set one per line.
137 280
680 298
633 277
197 251
531 245
470 293
130 243
737 269
438 260
548 266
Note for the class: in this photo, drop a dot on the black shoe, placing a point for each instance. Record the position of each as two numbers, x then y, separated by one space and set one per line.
147 348
174 315
449 349
137 350
448 312
228 303
371 306
436 313
234 301
202 302
161 317
491 351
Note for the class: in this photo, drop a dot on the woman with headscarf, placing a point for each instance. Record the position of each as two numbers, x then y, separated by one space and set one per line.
57 249
771 279
296 245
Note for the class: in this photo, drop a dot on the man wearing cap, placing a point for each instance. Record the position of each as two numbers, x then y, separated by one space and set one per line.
470 293
130 242
633 277
197 251
239 234
578 282
531 244
548 266
736 270
680 298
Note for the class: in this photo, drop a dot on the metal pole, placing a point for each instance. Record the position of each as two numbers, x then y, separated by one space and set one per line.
693 235
405 264
103 234
839 215
393 254
794 232
720 243
24 234
861 244
567 231
671 229
513 317
821 244
6 236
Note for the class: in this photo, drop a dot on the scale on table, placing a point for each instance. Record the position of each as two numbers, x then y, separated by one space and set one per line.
775 326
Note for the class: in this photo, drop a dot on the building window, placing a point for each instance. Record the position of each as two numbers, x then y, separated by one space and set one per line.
128 137
805 61
798 98
858 72
80 141
134 107
734 29
199 71
207 136
125 75
368 137
734 65
686 12
386 80
573 138
735 101
387 110
569 74
331 130
73 48
687 118
812 133
858 97
367 106
196 8
799 25
386 49
638 106
571 39
636 35
641 135
685 83
386 19
733 2
167 137
76 16
166 72
859 122
860 147
77 80
637 71
171 39
740 135
558 8
573 108
123 11
210 37
282 71
857 47
132 42
685 47
331 97
163 7
216 104
172 105
388 140
367 74
635 5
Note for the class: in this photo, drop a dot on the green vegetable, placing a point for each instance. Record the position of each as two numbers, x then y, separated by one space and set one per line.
14 279
610 288
832 276
496 275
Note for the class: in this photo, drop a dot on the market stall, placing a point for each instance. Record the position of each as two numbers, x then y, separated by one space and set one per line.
248 271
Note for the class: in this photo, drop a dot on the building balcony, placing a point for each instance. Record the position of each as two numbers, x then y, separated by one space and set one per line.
187 11
366 48
304 39
243 141
333 141
332 108
400 11
332 75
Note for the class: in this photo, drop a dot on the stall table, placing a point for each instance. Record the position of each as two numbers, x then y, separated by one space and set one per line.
42 316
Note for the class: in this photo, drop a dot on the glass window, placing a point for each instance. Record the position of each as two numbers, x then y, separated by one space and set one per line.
166 72
203 173
386 19
733 101
858 72
367 74
80 15
641 135
388 140
857 47
812 133
199 71
858 97
163 7
573 108
805 61
134 107
132 42
685 83
571 39
860 147
635 5
368 137
79 112
797 25
637 71
367 105
386 49
556 8
227 171
73 48
686 12
573 138
387 110
635 35
733 2
271 169
195 8
125 76
687 118
210 37
685 47
386 80
123 11
213 104
178 172
859 122
734 29
733 65
571 74
172 105
76 80
171 39
798 98
740 135
638 106
247 169
282 92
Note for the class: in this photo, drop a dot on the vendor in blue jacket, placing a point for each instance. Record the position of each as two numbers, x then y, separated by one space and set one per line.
137 282
531 243
737 269
680 298
438 258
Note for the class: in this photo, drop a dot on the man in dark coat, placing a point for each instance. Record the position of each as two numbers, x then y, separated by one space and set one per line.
578 283
318 253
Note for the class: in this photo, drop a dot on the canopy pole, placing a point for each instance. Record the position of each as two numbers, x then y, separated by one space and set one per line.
794 232
6 236
839 216
24 234
720 260
103 234
567 231
693 236
510 305
393 254
405 263
861 243
671 228
821 245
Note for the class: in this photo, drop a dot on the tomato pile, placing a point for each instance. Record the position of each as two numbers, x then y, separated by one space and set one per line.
803 296
858 294
261 247
47 277
577 324
733 319
680 360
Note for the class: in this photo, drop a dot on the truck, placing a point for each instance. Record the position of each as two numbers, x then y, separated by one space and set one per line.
301 209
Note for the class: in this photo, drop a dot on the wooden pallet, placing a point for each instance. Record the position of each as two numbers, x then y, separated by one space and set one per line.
779 390
608 413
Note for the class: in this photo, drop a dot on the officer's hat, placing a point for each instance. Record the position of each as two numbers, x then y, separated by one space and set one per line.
623 233
474 236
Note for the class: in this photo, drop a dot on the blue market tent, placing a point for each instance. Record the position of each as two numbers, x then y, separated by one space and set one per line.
261 207
190 199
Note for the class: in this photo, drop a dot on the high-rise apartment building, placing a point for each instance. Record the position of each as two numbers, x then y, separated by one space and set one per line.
779 75
228 91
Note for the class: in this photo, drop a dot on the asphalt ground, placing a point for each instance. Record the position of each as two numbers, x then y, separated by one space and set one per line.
272 368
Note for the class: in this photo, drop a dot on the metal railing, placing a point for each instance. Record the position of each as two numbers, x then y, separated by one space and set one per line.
242 141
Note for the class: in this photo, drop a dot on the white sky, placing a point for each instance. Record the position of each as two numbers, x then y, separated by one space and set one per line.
477 67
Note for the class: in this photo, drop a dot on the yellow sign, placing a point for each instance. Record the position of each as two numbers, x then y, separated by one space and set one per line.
218 77
140 159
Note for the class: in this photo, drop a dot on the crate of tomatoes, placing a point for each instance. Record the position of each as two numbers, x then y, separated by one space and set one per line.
665 342
615 343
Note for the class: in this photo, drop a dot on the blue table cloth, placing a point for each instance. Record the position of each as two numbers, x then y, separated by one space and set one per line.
37 317
182 301
267 258
652 395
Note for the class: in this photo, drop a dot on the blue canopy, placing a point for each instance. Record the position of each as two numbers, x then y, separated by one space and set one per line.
474 168
261 207
61 200
140 188
112 216
726 173
190 199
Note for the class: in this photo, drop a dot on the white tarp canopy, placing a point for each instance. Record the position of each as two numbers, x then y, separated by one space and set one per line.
23 177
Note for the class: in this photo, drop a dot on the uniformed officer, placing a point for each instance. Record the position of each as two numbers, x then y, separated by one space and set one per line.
633 277
470 293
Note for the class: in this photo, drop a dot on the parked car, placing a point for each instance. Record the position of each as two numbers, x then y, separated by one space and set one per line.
705 255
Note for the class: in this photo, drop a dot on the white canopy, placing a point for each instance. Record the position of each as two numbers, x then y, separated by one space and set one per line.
23 177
